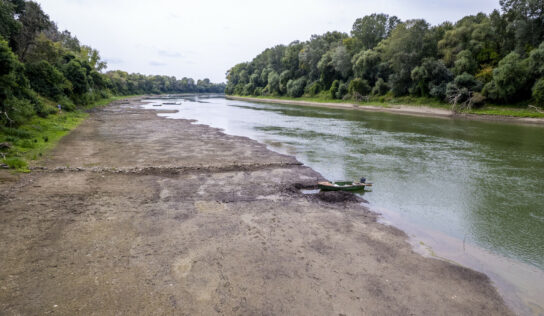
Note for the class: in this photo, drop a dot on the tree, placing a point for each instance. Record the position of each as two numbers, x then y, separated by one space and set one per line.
369 66
465 63
46 80
341 61
404 50
342 90
536 61
334 89
461 91
315 48
8 25
77 75
525 20
273 86
33 21
380 88
538 92
509 79
359 86
15 108
372 29
431 78
295 88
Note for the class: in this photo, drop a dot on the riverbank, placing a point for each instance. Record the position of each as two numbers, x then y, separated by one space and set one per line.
402 109
30 141
133 213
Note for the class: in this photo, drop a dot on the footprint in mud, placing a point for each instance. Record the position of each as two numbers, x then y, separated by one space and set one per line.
210 206
182 267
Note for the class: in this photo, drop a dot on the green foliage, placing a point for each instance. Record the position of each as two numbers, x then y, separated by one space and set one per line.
33 21
430 79
465 63
509 79
41 67
372 29
412 58
15 163
538 92
380 88
314 88
462 89
8 25
334 89
360 86
295 88
536 61
342 90
47 80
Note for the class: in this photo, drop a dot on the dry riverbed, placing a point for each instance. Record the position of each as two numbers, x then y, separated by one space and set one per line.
137 214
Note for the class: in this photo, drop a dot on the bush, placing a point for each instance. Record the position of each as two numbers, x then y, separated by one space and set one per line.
360 86
46 79
18 111
538 92
314 88
15 163
510 78
461 90
342 90
295 88
14 132
248 89
334 89
380 88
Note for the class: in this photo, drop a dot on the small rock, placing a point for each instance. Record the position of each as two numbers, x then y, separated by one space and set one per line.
4 146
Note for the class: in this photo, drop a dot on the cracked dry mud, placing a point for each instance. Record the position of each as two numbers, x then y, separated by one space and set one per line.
137 214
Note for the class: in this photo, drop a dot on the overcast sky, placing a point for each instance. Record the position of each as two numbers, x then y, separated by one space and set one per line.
204 38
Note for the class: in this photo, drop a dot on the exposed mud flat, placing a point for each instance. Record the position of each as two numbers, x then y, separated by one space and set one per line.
137 214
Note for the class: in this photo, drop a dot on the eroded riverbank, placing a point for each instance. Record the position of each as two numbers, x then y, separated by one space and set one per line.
137 214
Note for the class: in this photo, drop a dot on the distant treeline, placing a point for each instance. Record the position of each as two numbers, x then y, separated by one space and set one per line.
496 58
41 66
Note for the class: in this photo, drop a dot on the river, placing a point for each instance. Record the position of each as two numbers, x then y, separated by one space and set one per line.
466 191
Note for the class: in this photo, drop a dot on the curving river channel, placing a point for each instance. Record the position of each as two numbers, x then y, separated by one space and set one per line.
466 191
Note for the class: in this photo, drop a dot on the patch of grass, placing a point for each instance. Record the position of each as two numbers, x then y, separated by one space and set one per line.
16 163
39 135
508 111
42 135
382 101
104 102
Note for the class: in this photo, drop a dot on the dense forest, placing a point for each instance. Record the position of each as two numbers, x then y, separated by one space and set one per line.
41 67
496 58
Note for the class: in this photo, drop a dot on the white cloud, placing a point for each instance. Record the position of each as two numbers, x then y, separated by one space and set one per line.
205 38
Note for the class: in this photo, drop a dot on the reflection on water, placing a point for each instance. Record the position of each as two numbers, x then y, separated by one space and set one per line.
479 182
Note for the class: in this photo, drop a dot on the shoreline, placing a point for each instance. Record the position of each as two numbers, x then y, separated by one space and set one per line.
512 278
410 110
220 228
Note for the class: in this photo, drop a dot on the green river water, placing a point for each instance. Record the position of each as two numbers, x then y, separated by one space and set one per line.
450 183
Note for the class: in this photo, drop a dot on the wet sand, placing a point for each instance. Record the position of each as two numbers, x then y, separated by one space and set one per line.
137 214
399 109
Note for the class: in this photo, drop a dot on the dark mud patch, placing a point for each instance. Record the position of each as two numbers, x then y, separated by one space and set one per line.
339 197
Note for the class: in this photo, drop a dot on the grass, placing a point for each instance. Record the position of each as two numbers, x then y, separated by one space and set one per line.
507 111
521 110
36 137
384 101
